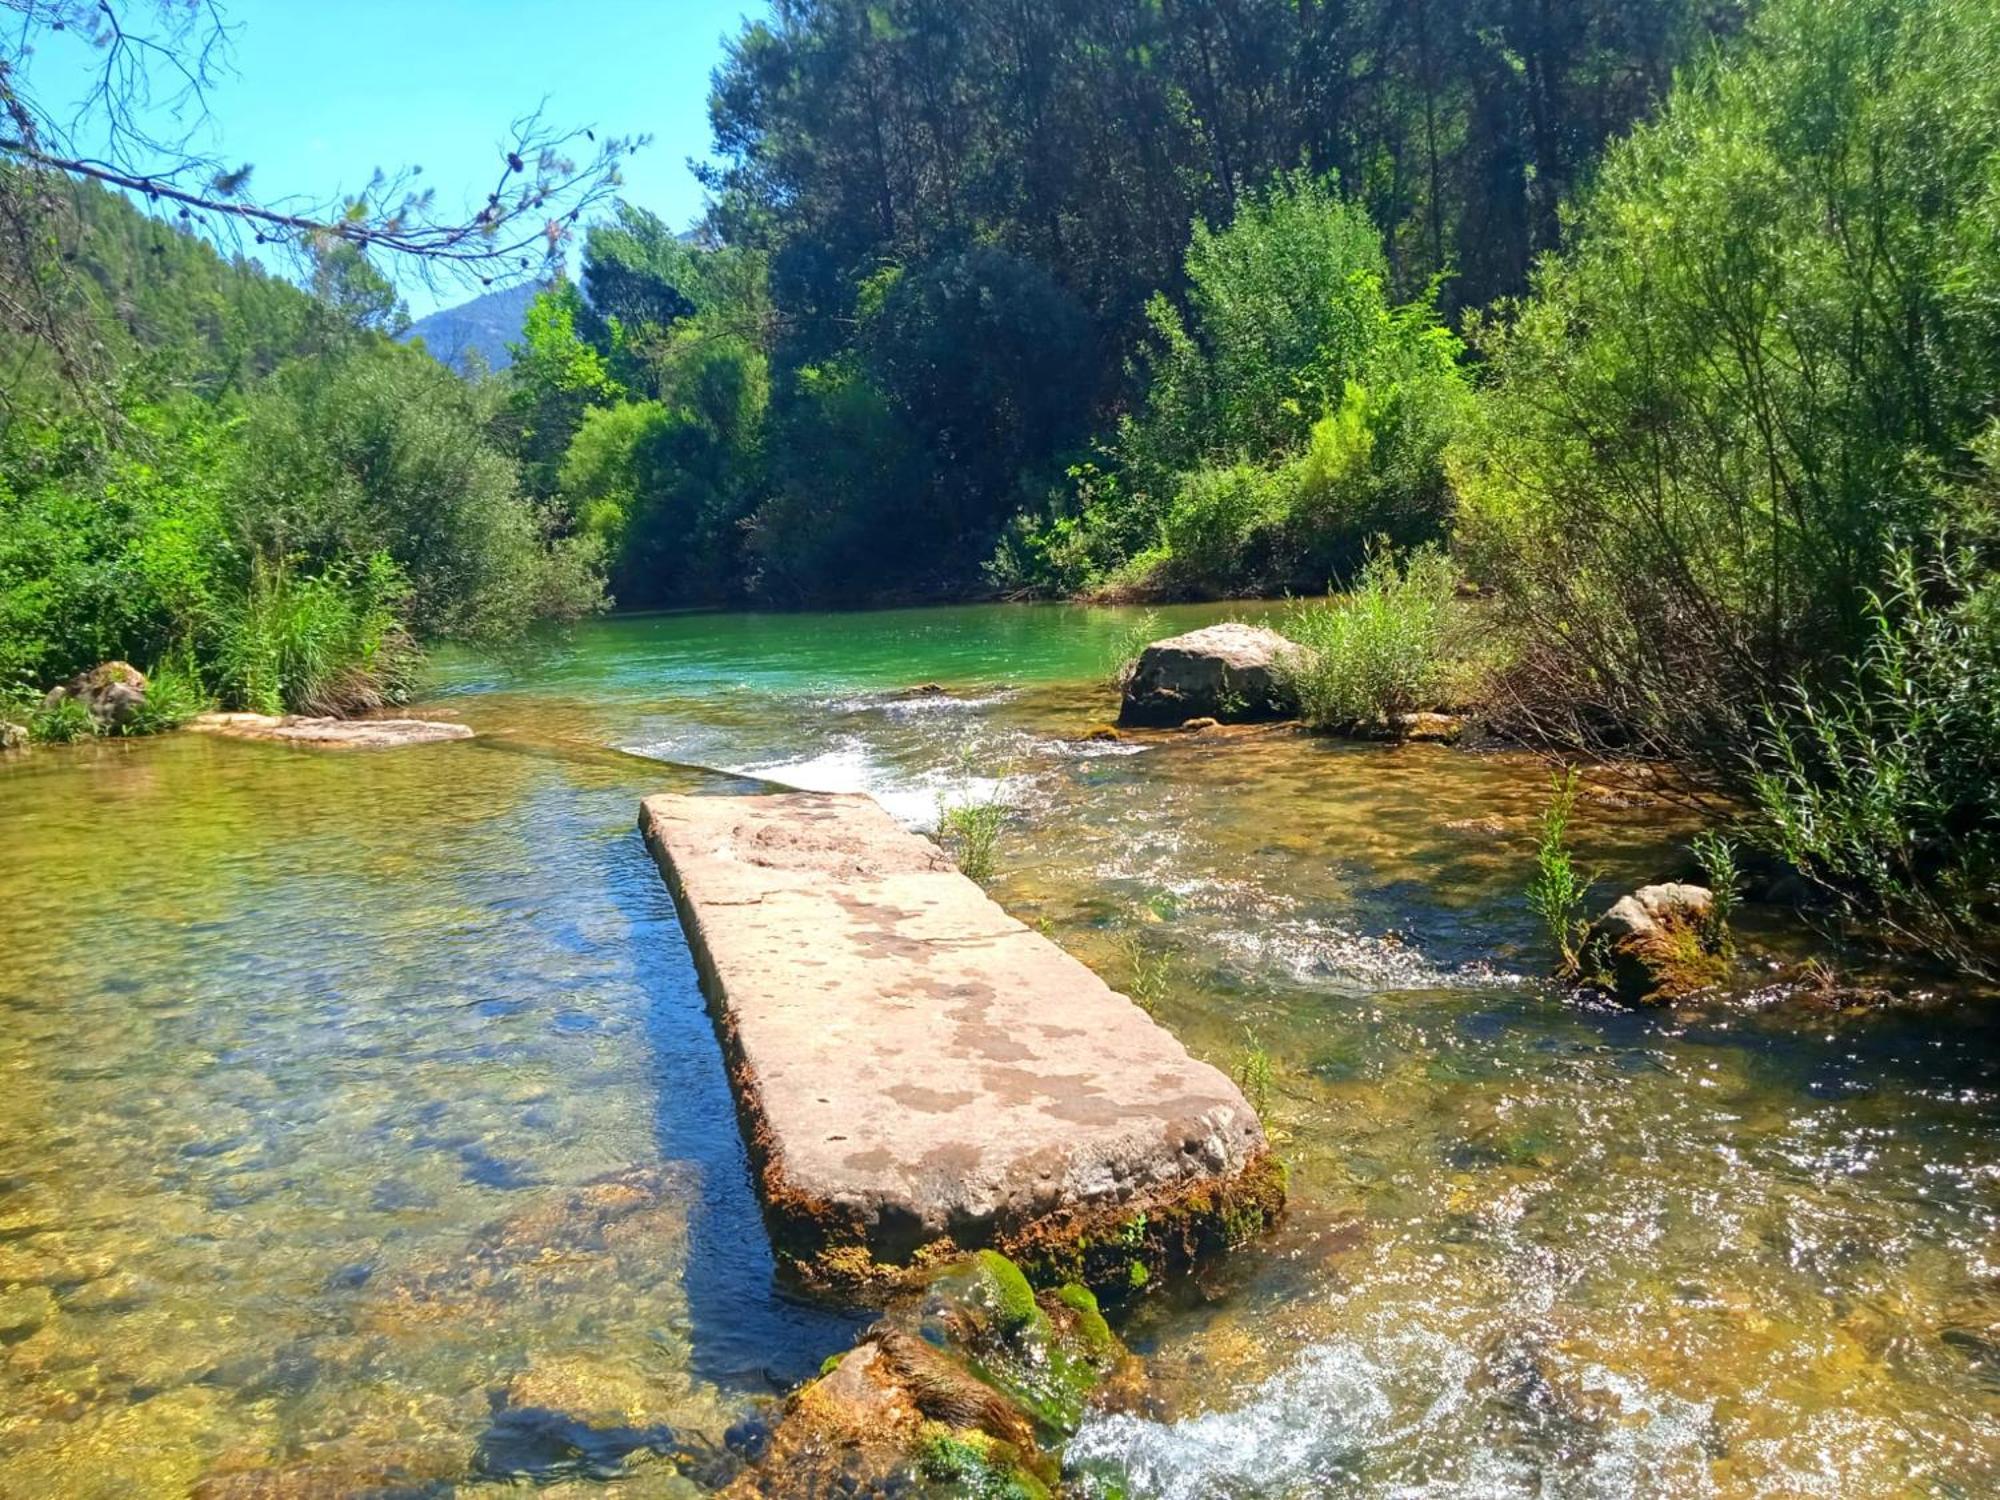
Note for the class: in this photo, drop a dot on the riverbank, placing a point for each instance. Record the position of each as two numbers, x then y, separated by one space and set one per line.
395 1084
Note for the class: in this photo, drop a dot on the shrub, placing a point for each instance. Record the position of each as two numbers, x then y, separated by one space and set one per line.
62 722
108 553
1760 362
174 694
383 450
1290 413
1385 649
1885 790
1212 529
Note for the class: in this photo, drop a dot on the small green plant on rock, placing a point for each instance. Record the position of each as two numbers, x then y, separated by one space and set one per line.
1558 891
969 826
971 831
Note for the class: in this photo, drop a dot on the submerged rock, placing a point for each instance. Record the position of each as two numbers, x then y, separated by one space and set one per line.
1657 944
974 1384
24 1310
1428 728
113 691
1231 672
330 734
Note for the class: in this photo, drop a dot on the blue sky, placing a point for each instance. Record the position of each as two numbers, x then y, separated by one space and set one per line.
320 95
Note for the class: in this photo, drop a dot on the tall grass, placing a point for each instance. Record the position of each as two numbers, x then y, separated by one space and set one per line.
1386 648
1716 854
1558 890
329 644
971 831
1123 653
174 694
969 823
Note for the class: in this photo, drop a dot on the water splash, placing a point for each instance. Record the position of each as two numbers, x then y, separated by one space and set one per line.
1418 1418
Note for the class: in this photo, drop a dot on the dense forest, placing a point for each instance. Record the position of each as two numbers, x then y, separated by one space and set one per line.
1668 324
966 266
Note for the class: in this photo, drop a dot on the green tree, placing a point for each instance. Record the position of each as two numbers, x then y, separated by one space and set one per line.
1759 367
383 450
555 377
1290 414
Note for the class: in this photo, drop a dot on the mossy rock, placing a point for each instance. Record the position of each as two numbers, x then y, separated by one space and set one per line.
1014 1299
977 1465
1659 945
1119 1254
974 1383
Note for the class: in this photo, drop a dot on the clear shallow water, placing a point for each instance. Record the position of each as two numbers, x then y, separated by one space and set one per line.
361 1124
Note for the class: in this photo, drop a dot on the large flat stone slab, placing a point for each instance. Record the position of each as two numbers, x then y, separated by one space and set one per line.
330 734
919 1073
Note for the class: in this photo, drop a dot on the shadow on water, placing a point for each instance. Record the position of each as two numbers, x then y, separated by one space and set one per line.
749 1331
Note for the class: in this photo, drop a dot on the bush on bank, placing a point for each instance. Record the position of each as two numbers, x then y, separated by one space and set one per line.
1726 472
279 550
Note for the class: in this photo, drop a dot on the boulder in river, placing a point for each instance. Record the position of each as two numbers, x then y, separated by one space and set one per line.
113 691
1231 672
1657 944
12 736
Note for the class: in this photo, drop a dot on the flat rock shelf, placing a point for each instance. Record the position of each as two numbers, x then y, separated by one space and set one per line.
330 734
919 1074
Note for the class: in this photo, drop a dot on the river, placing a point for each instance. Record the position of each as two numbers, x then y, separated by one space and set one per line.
361 1125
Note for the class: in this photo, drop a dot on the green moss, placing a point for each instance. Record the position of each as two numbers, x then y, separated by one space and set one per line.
1138 1276
983 1468
831 1363
1014 1297
1090 1325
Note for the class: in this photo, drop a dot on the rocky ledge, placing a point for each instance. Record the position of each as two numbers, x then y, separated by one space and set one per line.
919 1074
330 734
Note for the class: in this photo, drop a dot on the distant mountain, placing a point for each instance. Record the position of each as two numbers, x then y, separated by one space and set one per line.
485 326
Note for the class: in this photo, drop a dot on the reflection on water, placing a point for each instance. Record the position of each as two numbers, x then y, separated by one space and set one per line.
357 1105
362 1128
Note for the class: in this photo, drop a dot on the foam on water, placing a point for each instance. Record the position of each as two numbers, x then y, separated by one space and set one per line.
1402 1420
912 799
